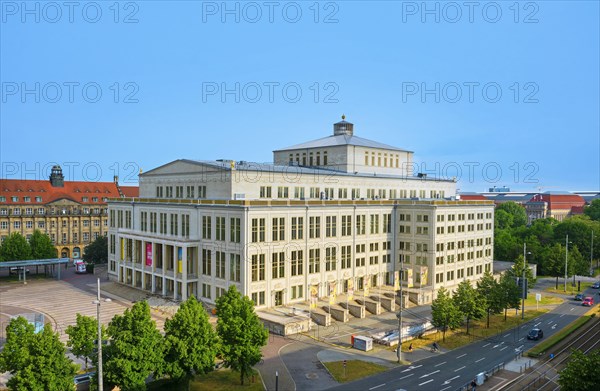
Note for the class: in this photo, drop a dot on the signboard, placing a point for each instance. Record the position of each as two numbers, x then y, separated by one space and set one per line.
148 254
538 297
367 281
424 275
122 249
351 289
396 280
332 292
409 278
314 294
179 260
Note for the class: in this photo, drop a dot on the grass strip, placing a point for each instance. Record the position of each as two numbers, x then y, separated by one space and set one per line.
355 369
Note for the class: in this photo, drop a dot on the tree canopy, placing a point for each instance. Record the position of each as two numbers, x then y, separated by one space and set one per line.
581 372
41 246
191 344
469 302
241 332
135 349
593 210
97 251
82 337
444 313
15 248
489 289
36 361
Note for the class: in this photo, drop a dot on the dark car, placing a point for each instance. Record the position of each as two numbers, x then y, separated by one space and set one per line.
535 334
579 297
596 285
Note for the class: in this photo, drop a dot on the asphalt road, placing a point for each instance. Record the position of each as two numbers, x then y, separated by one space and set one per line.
449 371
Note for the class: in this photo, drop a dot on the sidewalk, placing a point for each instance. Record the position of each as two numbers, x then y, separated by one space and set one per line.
272 366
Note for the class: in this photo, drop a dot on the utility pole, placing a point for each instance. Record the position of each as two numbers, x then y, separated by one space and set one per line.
524 281
98 302
399 315
592 255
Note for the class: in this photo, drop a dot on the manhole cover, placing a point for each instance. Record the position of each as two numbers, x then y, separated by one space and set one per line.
312 375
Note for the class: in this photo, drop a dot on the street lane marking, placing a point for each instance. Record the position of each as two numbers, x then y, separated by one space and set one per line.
428 381
562 315
381 385
535 325
506 347
449 380
428 374
404 377
571 309
550 322
521 339
462 355
487 344
442 363
411 367
507 335
481 359
456 370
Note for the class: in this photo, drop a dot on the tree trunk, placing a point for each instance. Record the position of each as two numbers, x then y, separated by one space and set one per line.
444 335
242 376
488 318
556 283
505 314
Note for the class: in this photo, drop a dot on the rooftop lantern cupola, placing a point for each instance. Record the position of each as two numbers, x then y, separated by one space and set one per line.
343 128
57 179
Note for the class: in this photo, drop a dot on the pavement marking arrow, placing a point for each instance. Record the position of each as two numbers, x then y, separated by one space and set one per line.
429 374
449 380
553 327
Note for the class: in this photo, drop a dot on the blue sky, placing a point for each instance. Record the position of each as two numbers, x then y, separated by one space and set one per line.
511 92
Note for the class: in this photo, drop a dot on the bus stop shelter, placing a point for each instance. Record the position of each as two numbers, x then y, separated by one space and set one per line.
21 266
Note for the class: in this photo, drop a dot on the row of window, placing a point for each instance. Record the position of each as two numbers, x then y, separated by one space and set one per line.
42 224
328 193
39 199
460 273
65 238
190 192
378 159
43 211
310 159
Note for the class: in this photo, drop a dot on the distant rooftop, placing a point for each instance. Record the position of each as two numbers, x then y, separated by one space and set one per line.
343 134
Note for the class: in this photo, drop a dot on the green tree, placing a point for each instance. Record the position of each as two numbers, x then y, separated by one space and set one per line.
581 372
15 248
191 344
97 251
41 246
36 361
516 211
135 349
517 271
506 245
82 337
444 313
512 293
489 289
469 302
241 332
554 262
593 210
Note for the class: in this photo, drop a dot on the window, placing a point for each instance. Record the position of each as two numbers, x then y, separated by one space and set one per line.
234 229
206 291
343 193
330 259
159 191
201 191
265 192
258 298
278 265
206 262
189 191
163 223
258 267
220 228
346 225
28 211
206 227
282 192
220 258
330 226
314 260
297 292
86 237
346 257
185 225
86 223
234 267
297 263
127 220
355 194
258 230
315 192
387 223
41 224
299 192
178 191
297 228
278 228
4 225
314 229
450 275
174 224
84 199
374 224
360 224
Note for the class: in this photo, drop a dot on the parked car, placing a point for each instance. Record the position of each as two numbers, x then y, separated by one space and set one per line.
596 285
588 301
579 297
535 334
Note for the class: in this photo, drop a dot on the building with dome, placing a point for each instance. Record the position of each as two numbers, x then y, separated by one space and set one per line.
340 215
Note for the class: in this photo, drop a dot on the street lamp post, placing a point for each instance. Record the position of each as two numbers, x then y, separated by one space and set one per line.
98 303
566 257
592 256
399 316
